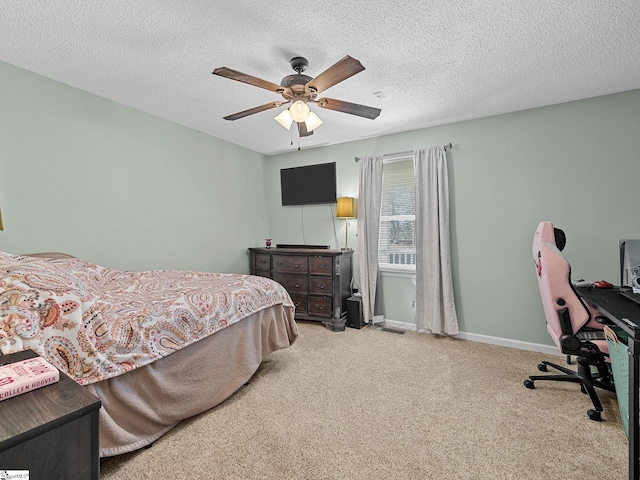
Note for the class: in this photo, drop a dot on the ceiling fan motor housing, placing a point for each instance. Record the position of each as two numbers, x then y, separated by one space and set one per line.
296 79
296 82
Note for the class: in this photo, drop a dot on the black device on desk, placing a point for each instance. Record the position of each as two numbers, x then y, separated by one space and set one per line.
630 269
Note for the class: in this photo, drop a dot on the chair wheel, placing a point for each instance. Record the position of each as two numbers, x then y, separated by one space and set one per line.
594 415
529 384
543 368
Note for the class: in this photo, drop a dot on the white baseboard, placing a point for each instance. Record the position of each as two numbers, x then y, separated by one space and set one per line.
476 337
508 342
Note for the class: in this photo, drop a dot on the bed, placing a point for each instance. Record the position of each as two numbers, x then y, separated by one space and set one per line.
155 347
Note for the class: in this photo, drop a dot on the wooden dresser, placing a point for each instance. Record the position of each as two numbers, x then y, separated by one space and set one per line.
318 280
52 432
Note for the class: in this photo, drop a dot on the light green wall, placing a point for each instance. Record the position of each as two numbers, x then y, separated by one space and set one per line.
118 187
110 184
576 164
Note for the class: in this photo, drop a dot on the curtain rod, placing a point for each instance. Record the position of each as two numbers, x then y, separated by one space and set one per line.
448 146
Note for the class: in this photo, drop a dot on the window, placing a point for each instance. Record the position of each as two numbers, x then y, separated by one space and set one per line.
397 245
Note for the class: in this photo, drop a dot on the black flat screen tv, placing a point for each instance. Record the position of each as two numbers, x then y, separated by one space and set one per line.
308 185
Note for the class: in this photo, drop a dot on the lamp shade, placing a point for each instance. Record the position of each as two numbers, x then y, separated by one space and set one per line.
299 111
313 122
284 119
346 207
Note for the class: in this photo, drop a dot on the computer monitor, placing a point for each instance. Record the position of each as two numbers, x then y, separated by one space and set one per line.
630 264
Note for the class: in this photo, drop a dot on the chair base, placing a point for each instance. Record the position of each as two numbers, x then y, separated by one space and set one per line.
587 380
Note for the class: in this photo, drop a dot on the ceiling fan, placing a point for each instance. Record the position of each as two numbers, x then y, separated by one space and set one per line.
300 90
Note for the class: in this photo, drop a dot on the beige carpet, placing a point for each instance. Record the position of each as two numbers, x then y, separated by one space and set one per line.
366 404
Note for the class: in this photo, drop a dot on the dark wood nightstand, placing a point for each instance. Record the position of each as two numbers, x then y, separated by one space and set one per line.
51 431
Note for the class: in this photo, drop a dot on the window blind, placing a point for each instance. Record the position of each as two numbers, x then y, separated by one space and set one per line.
397 246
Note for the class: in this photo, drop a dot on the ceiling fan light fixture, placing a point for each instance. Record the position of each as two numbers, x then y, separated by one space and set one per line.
299 111
313 122
284 119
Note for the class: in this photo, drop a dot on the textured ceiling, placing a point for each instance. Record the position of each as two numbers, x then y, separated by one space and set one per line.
427 62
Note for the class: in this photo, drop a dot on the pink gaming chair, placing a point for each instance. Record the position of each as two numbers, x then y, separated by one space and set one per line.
574 327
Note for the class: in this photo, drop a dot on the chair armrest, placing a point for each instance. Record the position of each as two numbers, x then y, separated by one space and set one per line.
571 345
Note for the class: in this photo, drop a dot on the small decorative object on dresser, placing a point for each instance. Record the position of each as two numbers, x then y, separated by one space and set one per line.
317 280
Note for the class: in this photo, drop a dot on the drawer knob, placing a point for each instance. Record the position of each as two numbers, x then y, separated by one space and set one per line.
322 287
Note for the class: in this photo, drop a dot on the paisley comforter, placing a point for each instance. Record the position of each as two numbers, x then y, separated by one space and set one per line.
96 323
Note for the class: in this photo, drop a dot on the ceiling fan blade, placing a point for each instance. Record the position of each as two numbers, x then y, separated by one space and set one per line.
345 68
251 80
251 111
302 130
352 108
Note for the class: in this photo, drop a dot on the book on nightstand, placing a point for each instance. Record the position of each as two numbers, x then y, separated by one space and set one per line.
22 377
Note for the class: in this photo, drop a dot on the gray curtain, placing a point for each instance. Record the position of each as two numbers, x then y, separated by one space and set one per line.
435 306
369 200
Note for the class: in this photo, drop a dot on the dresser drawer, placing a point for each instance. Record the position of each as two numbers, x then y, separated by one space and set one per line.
262 262
301 303
321 285
293 283
321 265
262 273
289 264
320 306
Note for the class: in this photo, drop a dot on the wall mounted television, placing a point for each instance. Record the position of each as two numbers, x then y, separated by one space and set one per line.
308 185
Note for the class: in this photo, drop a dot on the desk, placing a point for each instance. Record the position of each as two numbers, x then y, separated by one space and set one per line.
626 315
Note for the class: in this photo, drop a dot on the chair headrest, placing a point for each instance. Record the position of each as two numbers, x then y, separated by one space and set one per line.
560 238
